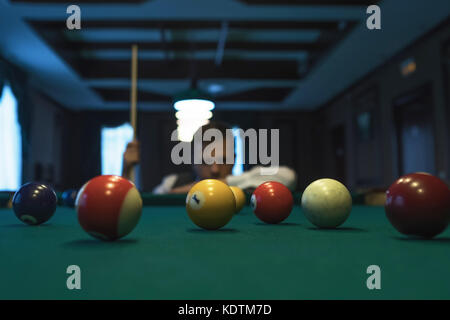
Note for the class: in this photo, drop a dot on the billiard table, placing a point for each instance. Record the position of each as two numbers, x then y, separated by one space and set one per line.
168 257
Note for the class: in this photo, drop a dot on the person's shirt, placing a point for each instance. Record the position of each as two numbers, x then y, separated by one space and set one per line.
247 181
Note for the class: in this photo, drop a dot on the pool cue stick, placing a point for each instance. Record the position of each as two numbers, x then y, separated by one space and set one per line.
133 110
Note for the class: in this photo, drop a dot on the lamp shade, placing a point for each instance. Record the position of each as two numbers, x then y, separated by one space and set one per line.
193 110
192 93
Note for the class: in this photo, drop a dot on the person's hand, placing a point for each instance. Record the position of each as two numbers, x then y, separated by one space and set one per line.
131 156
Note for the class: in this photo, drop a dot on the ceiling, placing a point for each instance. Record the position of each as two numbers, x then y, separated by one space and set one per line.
249 54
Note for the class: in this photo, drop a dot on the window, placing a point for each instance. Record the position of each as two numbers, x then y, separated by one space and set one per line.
114 142
364 126
238 167
10 142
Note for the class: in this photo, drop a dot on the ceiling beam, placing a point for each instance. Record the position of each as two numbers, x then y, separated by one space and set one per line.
221 43
250 2
80 1
186 46
311 2
180 69
113 95
193 24
270 94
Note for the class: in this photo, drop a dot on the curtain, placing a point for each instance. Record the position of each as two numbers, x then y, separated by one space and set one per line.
17 87
10 142
238 167
18 82
90 124
114 142
2 76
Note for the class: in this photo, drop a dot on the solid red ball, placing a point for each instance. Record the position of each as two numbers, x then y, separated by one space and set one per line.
418 204
109 207
272 202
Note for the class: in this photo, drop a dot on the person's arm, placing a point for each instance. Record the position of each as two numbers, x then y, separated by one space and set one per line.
131 157
182 189
253 178
187 187
166 185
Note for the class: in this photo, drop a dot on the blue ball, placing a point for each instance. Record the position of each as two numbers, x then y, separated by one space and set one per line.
68 197
34 203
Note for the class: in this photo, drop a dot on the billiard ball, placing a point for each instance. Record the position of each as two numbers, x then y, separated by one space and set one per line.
108 207
418 204
210 204
68 198
240 198
326 203
34 203
272 202
9 204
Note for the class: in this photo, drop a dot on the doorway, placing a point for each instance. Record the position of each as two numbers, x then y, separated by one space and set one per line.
339 154
413 116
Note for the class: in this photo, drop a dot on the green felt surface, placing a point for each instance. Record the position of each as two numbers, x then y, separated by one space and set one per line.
167 257
150 199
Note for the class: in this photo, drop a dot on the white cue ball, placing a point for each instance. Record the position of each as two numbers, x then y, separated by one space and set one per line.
326 203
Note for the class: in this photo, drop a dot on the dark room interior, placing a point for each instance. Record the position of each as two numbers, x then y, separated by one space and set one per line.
361 104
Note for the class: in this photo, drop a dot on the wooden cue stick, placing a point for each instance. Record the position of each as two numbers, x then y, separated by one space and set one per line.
133 110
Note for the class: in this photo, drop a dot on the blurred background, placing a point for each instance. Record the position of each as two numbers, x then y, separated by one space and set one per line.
358 105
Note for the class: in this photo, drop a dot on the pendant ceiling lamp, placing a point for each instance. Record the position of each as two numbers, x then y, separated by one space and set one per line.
193 110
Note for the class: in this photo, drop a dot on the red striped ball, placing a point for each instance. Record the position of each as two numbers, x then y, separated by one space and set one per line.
109 207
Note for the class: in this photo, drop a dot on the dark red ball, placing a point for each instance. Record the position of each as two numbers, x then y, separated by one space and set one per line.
418 204
272 202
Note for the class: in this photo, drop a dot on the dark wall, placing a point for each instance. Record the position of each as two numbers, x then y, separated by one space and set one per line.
295 146
81 150
298 146
66 145
326 143
45 154
374 161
